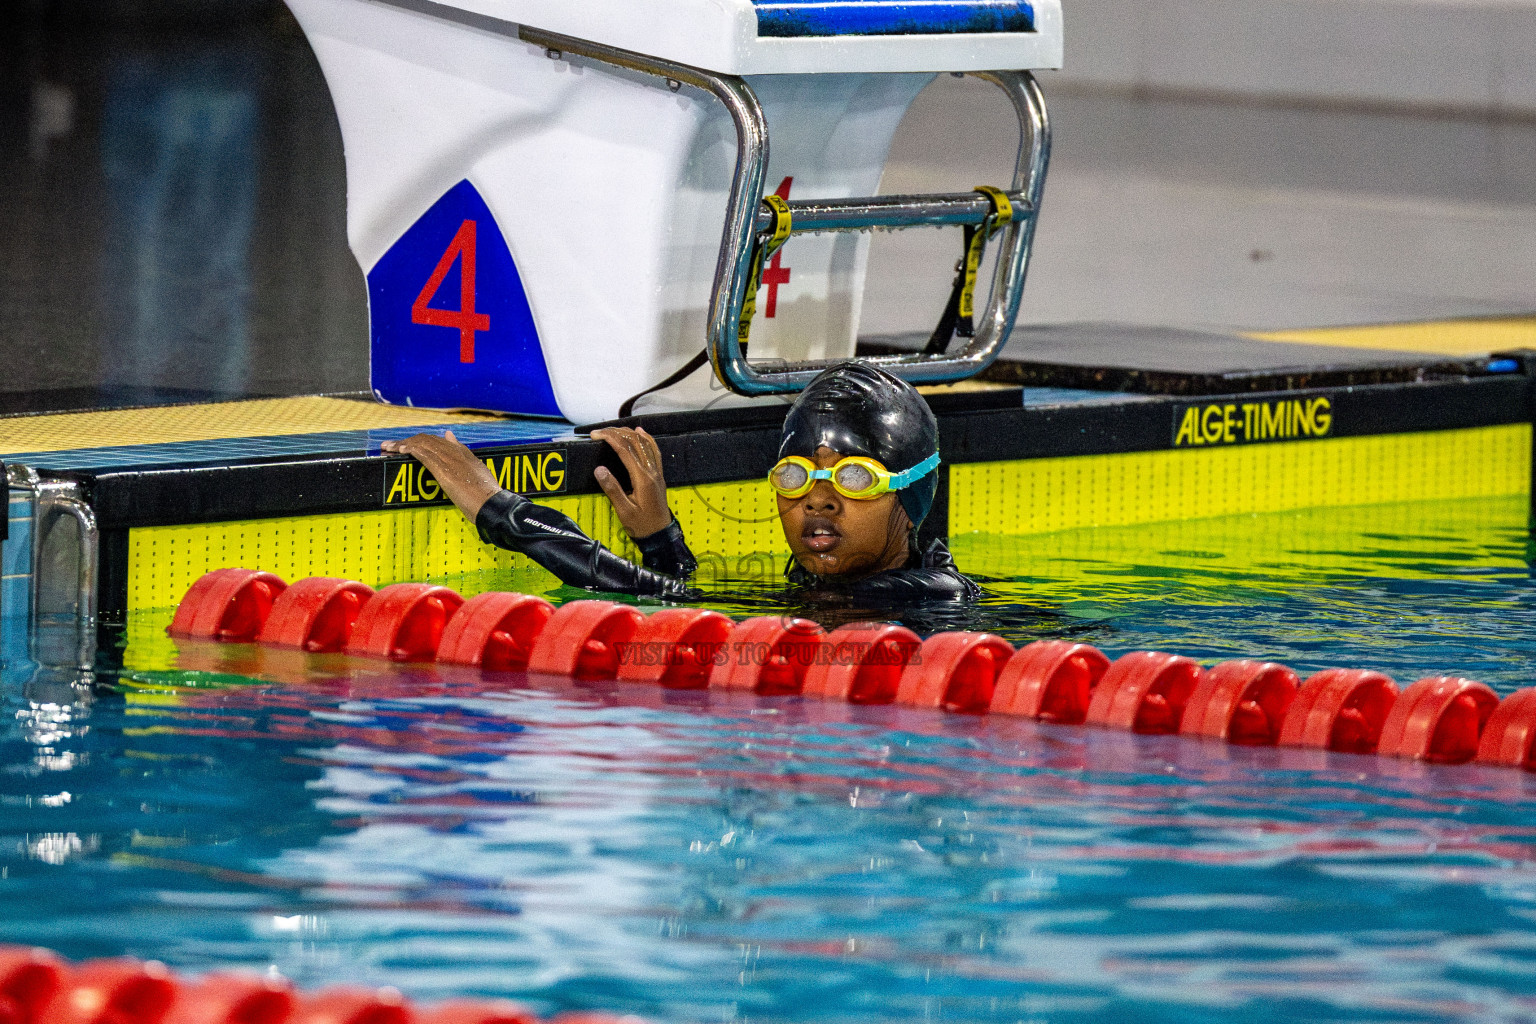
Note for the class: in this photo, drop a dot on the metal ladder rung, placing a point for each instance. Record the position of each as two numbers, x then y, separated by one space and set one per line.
745 220
864 213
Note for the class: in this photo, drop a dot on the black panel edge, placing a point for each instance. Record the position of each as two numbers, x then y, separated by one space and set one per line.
112 583
1527 361
1217 384
172 495
659 424
1187 384
1150 424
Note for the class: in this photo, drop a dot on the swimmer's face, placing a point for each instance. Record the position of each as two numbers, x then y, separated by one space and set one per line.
831 535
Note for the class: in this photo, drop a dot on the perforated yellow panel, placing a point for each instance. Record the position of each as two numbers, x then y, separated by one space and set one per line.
734 529
1441 337
1045 495
262 417
374 547
728 525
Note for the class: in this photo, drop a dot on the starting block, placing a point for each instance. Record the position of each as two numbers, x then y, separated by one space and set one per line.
562 207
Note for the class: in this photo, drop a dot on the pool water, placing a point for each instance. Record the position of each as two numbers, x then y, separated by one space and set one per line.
709 857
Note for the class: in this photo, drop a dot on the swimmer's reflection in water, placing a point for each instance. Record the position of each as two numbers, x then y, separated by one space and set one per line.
856 476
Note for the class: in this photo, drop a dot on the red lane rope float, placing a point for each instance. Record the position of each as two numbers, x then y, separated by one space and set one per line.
1052 680
955 671
1242 702
29 979
862 663
768 655
317 614
112 992
1509 738
354 1006
1145 692
235 999
675 647
582 639
1441 719
403 622
494 631
227 604
1340 709
36 987
468 1012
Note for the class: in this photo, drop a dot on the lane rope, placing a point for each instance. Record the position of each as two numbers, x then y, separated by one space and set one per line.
1438 719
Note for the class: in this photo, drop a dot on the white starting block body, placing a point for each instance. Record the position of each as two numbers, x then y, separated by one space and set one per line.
541 230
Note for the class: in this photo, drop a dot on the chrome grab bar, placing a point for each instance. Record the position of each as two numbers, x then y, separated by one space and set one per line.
62 499
867 213
51 501
747 217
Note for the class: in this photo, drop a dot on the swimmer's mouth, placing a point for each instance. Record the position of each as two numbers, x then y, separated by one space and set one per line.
820 535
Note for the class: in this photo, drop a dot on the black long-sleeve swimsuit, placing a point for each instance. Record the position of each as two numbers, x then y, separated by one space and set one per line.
550 538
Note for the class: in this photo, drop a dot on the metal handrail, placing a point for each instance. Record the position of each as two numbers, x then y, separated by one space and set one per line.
63 498
52 499
866 213
747 217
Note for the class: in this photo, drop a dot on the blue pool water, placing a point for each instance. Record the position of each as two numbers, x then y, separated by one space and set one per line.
705 857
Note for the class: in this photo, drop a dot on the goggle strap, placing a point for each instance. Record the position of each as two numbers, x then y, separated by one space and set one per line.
911 476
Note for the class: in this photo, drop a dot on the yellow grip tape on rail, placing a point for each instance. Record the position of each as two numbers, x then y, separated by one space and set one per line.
976 244
782 221
1002 207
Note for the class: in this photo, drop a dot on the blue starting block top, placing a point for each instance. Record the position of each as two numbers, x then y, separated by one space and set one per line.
799 18
778 37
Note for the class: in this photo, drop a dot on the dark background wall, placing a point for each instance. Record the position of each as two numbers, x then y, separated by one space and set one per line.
172 206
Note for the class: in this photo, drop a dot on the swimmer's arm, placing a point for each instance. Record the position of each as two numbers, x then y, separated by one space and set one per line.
667 552
466 480
547 536
551 539
644 512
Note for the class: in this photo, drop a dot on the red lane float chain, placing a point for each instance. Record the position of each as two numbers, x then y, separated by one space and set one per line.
37 987
1442 719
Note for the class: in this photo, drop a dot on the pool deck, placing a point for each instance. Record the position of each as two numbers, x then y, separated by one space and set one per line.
1051 366
1113 423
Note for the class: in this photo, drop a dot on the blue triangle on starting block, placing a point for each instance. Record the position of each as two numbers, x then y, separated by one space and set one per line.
450 322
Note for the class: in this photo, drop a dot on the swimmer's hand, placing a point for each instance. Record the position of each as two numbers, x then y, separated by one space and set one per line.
466 480
644 511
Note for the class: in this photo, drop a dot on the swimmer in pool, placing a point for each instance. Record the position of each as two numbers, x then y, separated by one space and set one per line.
856 476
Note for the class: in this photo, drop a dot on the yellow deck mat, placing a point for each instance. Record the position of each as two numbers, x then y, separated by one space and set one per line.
258 417
973 384
1471 337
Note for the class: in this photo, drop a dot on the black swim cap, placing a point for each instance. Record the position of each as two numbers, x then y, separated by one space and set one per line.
859 409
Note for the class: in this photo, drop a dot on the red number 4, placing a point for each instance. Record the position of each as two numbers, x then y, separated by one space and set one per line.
465 319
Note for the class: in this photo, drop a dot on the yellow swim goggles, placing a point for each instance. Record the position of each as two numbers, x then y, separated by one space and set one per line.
854 476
